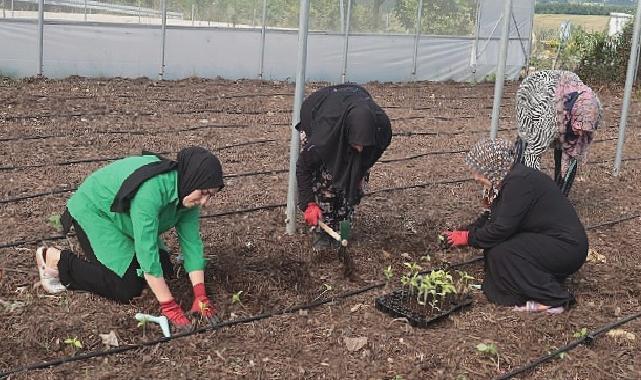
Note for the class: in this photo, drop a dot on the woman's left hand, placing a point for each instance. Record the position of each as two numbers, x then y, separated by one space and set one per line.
202 305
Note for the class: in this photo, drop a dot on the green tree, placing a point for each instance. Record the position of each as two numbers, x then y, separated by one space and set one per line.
446 17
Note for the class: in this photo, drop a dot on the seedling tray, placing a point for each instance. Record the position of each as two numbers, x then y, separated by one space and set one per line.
394 305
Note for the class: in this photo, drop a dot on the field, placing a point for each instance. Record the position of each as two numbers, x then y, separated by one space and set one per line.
591 23
54 133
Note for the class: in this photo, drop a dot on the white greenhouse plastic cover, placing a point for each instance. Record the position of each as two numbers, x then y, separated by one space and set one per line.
130 51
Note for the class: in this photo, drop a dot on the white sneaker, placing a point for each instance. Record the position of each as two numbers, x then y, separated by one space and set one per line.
49 277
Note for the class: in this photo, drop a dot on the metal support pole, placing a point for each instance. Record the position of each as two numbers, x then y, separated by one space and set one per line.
299 94
417 36
263 31
193 13
341 4
529 50
500 69
627 92
85 10
475 45
163 5
4 11
346 40
41 27
12 11
139 11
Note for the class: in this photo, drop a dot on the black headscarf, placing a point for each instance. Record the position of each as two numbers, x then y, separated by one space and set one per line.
197 169
336 117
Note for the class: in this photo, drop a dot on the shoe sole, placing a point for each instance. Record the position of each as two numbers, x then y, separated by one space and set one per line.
45 279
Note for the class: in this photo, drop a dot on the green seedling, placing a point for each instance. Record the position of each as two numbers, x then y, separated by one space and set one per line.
54 221
235 298
327 287
142 324
487 349
427 258
413 268
581 333
442 241
463 282
74 343
398 377
388 273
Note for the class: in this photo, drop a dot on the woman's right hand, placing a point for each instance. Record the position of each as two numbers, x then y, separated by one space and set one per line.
312 214
176 316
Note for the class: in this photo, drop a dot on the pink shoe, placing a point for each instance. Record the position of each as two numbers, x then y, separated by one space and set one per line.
535 307
49 277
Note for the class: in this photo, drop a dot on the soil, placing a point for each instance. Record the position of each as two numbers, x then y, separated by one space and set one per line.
44 124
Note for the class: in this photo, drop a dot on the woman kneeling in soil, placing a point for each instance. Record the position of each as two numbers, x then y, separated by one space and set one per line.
532 236
118 213
343 133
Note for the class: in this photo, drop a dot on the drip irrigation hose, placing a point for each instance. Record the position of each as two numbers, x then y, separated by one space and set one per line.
587 339
229 323
103 159
267 172
61 191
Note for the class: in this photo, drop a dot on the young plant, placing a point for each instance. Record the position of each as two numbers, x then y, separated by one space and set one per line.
442 242
463 282
54 221
74 343
235 298
413 268
142 324
490 350
388 273
581 333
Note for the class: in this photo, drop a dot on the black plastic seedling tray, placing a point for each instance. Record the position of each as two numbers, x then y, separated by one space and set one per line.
393 304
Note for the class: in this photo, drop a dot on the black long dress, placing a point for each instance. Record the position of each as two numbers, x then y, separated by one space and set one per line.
533 240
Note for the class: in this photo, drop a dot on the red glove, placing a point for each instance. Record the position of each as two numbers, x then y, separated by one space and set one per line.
174 313
312 214
201 304
457 238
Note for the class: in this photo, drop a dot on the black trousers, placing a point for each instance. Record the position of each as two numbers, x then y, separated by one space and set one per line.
89 274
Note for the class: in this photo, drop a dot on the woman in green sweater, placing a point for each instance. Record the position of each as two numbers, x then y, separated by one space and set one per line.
118 214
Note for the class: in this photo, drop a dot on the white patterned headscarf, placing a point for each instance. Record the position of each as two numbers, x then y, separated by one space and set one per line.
493 159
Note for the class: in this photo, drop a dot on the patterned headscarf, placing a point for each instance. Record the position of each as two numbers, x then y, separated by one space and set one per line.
493 159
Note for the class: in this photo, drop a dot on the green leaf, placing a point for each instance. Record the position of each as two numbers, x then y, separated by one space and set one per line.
74 342
235 298
54 221
581 333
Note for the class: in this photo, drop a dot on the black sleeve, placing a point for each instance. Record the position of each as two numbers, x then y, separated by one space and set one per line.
307 163
516 198
479 222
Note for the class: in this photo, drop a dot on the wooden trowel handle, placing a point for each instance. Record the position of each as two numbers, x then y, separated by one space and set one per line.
335 235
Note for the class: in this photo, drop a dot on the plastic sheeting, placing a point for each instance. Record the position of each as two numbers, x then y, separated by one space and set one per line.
125 50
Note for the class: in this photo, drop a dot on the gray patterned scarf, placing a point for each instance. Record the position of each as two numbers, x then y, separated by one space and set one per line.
493 159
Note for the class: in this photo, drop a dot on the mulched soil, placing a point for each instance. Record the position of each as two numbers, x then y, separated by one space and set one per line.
79 119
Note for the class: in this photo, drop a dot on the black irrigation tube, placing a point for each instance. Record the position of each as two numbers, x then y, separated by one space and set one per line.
62 191
587 340
244 211
229 323
277 205
275 171
267 172
139 132
103 159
